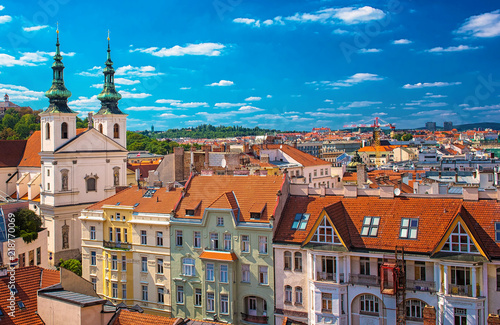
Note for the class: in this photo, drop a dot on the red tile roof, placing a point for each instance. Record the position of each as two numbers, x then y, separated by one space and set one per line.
301 157
12 152
219 256
435 216
143 168
126 317
28 281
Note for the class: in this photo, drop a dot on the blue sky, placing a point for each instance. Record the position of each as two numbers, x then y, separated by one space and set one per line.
284 64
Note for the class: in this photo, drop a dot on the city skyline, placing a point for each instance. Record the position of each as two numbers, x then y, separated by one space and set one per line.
286 65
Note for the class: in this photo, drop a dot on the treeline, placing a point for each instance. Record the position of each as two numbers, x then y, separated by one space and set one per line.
138 142
207 131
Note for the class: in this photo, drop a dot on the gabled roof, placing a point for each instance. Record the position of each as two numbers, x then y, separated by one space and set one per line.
225 201
301 157
28 281
73 144
12 152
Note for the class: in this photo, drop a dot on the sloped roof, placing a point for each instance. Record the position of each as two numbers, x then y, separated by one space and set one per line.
219 256
12 152
28 281
301 157
126 317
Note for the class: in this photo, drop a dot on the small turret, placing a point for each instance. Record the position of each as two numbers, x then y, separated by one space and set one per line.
109 97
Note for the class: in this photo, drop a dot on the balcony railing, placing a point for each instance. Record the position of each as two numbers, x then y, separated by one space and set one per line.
116 245
418 285
460 290
367 280
254 318
325 276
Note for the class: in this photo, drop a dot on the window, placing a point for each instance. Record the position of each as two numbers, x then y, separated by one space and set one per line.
116 131
255 215
93 258
145 293
287 256
497 231
210 301
223 273
118 215
315 173
325 234
262 244
64 130
460 276
245 273
124 291
197 297
38 256
370 226
220 221
94 282
92 232
114 262
100 127
161 296
342 302
227 242
224 304
47 131
288 294
409 228
144 264
263 275
415 309
498 278
459 241
369 304
178 237
159 238
300 221
110 234
91 184
210 272
124 263
189 212
114 291
326 302
125 239
180 294
197 239
420 271
159 266
298 295
214 241
118 235
245 243
460 316
188 267
298 261
364 265
144 237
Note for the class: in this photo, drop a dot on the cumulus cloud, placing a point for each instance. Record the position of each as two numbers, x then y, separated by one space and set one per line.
347 15
363 103
249 109
369 50
125 81
189 105
127 94
167 101
229 105
356 79
248 21
206 49
28 58
144 71
436 112
92 72
402 41
171 115
459 48
222 83
431 84
147 108
34 28
20 93
85 102
185 88
253 99
484 25
5 19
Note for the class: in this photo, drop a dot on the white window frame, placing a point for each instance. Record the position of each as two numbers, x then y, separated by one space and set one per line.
210 273
224 273
188 267
262 244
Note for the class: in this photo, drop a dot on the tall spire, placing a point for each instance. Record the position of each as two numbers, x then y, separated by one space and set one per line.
109 97
58 94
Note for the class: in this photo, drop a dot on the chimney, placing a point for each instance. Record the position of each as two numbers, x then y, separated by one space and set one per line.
90 121
493 319
361 174
471 193
430 315
264 158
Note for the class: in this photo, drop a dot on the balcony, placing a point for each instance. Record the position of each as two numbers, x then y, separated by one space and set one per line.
332 277
254 319
418 285
117 245
366 280
461 290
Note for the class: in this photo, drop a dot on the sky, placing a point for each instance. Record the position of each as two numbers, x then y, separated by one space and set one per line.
283 64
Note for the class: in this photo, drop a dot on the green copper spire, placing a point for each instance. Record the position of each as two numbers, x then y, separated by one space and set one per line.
109 97
58 94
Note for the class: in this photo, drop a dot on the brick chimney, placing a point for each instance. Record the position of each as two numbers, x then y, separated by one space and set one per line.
361 174
493 319
264 158
429 315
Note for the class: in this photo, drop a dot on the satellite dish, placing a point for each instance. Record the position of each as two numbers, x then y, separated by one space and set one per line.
397 192
223 163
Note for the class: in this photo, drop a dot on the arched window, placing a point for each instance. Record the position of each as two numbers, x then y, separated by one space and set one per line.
288 294
415 310
298 295
47 131
100 127
64 130
91 183
369 304
287 265
116 131
64 180
298 261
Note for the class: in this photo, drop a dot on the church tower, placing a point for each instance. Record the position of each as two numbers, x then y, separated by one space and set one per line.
58 121
109 120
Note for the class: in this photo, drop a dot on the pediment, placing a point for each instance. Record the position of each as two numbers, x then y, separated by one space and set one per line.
90 141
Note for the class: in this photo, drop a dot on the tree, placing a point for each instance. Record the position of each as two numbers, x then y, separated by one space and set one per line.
27 225
407 137
73 265
9 121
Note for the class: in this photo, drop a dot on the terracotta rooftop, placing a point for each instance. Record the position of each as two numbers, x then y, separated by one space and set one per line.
126 317
204 191
219 256
435 216
28 281
12 152
301 157
377 148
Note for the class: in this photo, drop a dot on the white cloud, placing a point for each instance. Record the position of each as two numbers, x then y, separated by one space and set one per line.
5 19
189 105
328 101
369 50
402 41
207 49
269 96
347 15
482 108
249 109
2 7
98 86
249 21
167 101
126 94
253 99
147 108
144 71
124 81
185 88
320 114
484 25
434 113
453 49
28 58
20 93
229 105
339 31
85 102
431 95
430 84
170 115
363 103
92 72
356 79
34 28
222 83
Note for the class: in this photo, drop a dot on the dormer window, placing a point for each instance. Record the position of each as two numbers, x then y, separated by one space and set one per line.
409 227
189 212
459 241
370 226
325 234
300 221
255 215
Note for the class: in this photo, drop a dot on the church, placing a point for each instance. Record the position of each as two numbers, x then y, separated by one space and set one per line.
64 169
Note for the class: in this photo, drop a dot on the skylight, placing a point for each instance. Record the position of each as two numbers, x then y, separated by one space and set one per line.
370 226
21 305
149 193
135 205
409 227
300 221
118 203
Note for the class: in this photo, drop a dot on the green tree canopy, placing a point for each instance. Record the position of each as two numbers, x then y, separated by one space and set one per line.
27 225
73 265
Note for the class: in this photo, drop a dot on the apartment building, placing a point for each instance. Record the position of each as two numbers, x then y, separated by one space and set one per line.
221 248
332 249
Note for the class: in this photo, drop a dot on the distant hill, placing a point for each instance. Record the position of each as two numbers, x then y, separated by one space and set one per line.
482 126
212 132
